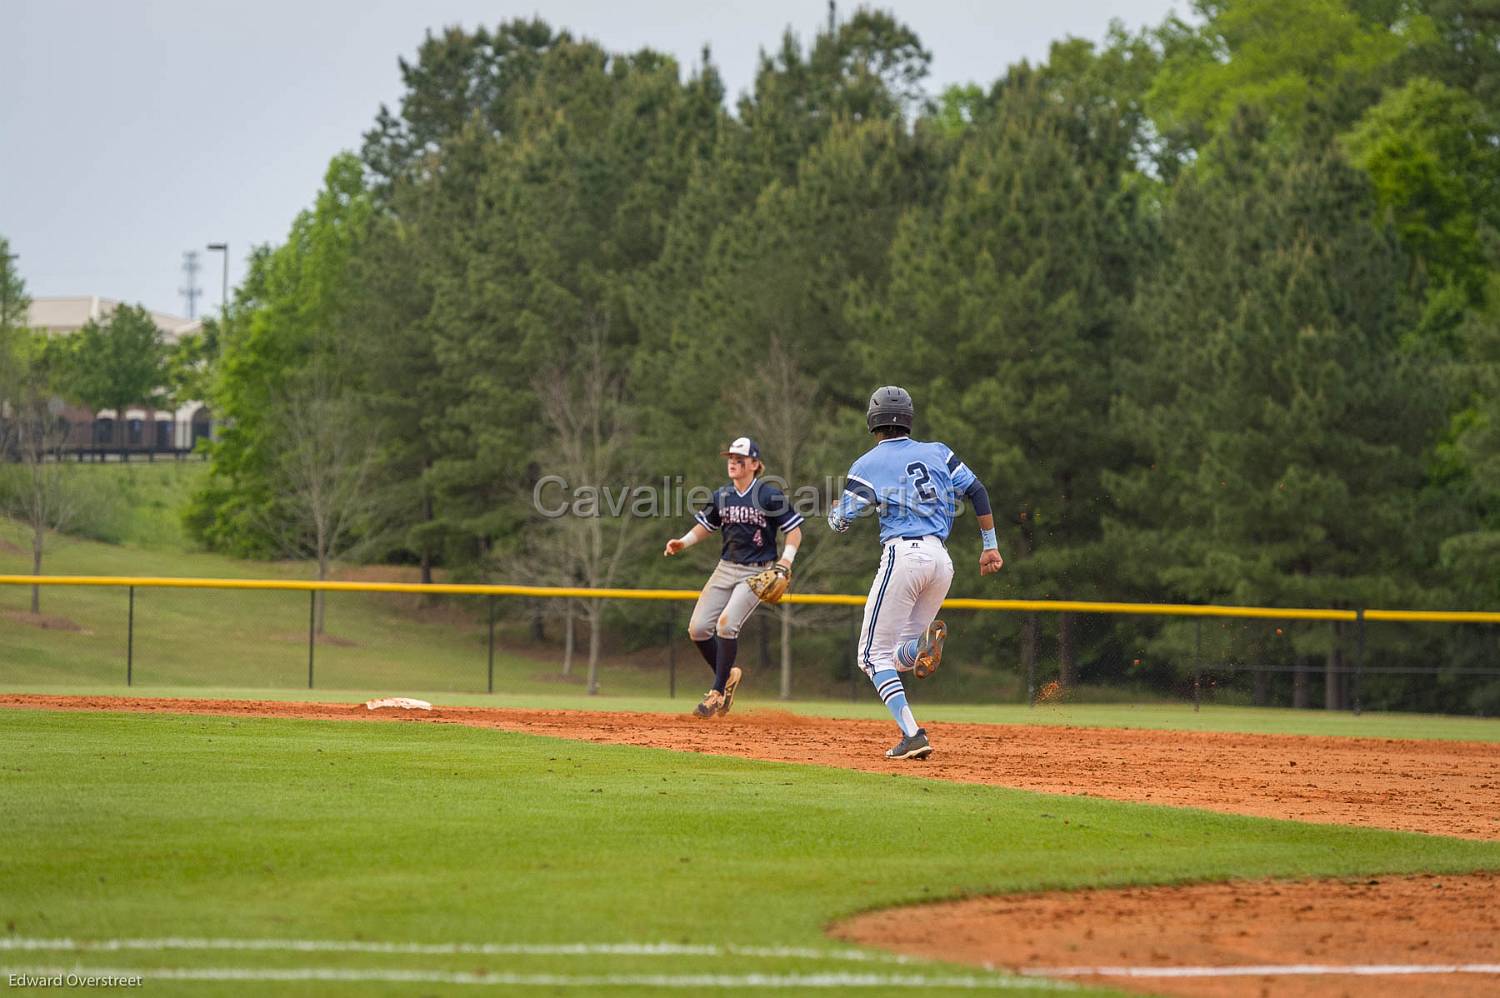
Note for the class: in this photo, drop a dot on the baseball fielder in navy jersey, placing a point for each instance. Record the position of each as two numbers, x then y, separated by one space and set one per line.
748 513
916 487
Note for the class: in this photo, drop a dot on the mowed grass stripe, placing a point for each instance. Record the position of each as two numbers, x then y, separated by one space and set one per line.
15 943
131 826
759 690
43 976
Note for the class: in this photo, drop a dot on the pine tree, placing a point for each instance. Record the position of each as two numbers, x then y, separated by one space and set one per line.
999 317
1283 430
459 81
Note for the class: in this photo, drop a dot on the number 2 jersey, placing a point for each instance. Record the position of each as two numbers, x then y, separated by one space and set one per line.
915 485
749 520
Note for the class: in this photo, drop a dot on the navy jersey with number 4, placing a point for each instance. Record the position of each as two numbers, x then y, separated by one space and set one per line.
749 521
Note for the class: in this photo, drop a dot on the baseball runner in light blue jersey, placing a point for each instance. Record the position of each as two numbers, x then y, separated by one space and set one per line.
915 486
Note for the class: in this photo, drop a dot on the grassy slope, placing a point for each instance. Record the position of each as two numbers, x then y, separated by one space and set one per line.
245 639
150 826
145 501
196 637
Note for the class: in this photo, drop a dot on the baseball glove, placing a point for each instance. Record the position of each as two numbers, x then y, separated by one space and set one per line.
770 584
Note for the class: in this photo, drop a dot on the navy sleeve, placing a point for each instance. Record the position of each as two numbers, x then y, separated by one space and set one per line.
709 517
861 490
978 497
778 509
959 473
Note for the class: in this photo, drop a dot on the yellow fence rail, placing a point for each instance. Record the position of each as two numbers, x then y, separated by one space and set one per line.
819 599
312 588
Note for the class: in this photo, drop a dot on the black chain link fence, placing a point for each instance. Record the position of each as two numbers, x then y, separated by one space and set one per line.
89 636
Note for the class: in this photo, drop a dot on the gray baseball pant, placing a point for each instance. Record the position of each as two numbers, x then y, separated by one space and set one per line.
725 603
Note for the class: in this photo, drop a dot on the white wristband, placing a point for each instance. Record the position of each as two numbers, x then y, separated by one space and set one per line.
688 539
789 553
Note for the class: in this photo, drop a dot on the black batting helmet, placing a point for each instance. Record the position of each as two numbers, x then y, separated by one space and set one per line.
890 406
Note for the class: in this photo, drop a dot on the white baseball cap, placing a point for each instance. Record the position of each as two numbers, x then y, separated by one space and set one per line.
742 447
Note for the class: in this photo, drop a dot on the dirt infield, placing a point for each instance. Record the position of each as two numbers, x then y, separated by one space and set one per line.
1442 788
1411 921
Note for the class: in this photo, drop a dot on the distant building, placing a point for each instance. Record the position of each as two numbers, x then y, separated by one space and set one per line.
68 315
148 432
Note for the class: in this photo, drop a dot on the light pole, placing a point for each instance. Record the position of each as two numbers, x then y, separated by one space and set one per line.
223 317
224 293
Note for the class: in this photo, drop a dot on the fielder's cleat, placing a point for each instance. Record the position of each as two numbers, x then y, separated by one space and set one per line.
911 747
713 703
730 685
930 649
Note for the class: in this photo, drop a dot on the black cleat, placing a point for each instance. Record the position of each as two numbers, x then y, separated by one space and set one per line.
713 703
930 649
730 685
911 747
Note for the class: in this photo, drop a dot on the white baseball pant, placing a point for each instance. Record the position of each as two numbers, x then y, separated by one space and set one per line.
909 588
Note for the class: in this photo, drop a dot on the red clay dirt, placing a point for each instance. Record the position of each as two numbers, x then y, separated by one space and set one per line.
1422 920
1441 788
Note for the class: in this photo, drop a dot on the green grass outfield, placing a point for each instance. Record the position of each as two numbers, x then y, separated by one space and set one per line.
155 827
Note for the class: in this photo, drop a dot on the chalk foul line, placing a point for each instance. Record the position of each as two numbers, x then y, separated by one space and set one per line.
21 943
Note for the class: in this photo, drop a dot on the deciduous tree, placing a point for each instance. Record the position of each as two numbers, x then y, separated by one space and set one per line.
118 363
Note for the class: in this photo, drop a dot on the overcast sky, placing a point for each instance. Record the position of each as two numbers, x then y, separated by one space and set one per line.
133 130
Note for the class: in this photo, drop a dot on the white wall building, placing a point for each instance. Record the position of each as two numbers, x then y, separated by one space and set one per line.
161 430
